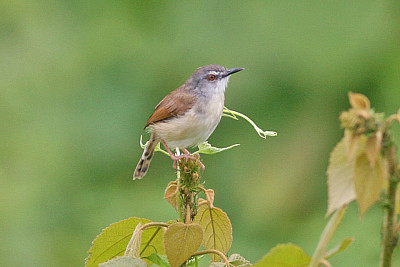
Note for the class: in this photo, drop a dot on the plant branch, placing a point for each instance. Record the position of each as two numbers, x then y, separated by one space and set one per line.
326 237
152 224
213 251
390 223
232 114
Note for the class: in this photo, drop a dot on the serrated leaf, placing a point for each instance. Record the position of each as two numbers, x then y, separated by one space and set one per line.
206 148
238 260
218 264
124 261
285 255
340 178
181 241
368 181
113 240
217 229
160 260
339 248
234 260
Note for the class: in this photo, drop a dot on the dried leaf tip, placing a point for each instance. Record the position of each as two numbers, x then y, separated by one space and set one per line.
359 101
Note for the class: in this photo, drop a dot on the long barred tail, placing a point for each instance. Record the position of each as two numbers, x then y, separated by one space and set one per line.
144 162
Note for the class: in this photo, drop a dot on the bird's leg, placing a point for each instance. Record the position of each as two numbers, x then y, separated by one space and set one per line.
186 151
175 158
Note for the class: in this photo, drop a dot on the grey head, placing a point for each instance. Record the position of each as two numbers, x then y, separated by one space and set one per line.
209 79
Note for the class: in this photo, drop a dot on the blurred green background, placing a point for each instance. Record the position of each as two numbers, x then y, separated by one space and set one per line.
79 79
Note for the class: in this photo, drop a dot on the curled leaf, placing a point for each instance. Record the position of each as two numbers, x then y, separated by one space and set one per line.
170 194
359 101
133 247
210 197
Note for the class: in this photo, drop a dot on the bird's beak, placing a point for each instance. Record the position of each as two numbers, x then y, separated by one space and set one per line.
231 71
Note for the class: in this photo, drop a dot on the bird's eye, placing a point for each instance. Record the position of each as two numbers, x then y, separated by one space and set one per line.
211 77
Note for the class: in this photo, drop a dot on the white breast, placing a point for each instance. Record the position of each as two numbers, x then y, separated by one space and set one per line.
195 126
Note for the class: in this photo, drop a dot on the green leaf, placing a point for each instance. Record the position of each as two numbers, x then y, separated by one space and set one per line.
232 114
160 260
369 181
181 241
206 148
124 261
339 248
340 178
285 255
113 240
217 229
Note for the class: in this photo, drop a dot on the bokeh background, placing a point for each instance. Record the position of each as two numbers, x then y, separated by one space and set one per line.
78 80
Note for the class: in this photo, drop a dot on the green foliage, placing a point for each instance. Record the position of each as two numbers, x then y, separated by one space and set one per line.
339 248
359 169
160 260
340 178
369 181
206 148
234 260
124 261
114 239
217 229
78 79
181 241
285 255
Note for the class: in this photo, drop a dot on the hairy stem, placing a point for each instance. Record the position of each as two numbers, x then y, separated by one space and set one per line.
213 251
389 226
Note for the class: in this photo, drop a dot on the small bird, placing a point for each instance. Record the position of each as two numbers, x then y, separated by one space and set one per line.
187 116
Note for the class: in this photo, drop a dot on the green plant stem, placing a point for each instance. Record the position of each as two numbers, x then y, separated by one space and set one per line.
326 237
389 228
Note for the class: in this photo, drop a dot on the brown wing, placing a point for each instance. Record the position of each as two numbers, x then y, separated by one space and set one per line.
174 104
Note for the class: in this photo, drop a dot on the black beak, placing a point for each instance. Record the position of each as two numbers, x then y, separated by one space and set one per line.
231 71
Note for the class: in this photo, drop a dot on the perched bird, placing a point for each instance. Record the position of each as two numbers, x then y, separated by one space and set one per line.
188 115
